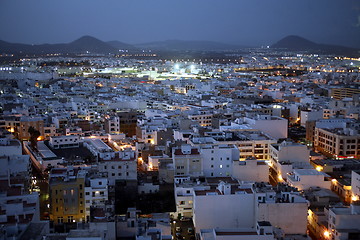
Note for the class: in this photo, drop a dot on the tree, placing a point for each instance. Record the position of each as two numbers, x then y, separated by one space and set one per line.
34 134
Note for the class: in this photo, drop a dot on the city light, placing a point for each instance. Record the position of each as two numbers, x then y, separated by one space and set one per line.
319 168
354 198
326 234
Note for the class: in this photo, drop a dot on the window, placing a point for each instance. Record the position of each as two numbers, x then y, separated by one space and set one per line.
212 166
100 183
70 219
87 193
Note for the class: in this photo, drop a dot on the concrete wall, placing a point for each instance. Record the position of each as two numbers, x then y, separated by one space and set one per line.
224 211
290 217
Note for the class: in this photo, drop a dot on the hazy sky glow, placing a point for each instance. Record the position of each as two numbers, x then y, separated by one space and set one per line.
244 22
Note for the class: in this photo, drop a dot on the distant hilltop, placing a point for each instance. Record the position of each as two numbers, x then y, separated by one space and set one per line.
91 45
82 45
296 43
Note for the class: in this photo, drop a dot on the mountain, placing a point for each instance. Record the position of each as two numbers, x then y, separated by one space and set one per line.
81 45
296 43
180 45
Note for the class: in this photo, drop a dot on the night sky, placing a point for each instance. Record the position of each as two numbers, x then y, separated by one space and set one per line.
242 22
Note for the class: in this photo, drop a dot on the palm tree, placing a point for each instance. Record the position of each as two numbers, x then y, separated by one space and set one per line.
34 134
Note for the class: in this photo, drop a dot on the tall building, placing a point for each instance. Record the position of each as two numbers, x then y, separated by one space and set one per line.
128 122
67 196
340 93
337 142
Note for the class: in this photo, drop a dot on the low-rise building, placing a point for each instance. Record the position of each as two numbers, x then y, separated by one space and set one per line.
304 179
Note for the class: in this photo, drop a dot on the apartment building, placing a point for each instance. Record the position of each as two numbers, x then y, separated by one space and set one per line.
66 195
339 143
187 161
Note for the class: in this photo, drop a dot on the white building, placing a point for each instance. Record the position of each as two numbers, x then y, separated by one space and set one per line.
59 142
304 179
10 147
286 156
344 223
15 164
184 195
251 170
310 115
224 207
355 185
96 193
121 169
218 159
275 127
263 231
273 205
18 209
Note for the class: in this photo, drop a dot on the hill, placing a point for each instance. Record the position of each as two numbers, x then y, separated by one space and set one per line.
296 43
85 44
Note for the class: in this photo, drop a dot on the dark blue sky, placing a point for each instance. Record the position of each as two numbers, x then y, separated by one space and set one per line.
244 22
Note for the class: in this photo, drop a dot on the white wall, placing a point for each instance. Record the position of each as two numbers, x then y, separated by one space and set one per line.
290 217
217 161
276 128
355 183
251 170
224 211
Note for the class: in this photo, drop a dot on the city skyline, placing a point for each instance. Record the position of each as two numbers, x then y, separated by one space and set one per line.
245 23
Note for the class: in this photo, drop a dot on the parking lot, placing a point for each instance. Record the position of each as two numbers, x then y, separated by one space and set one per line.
183 229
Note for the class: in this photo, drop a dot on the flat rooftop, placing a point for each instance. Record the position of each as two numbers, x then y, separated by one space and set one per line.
45 152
